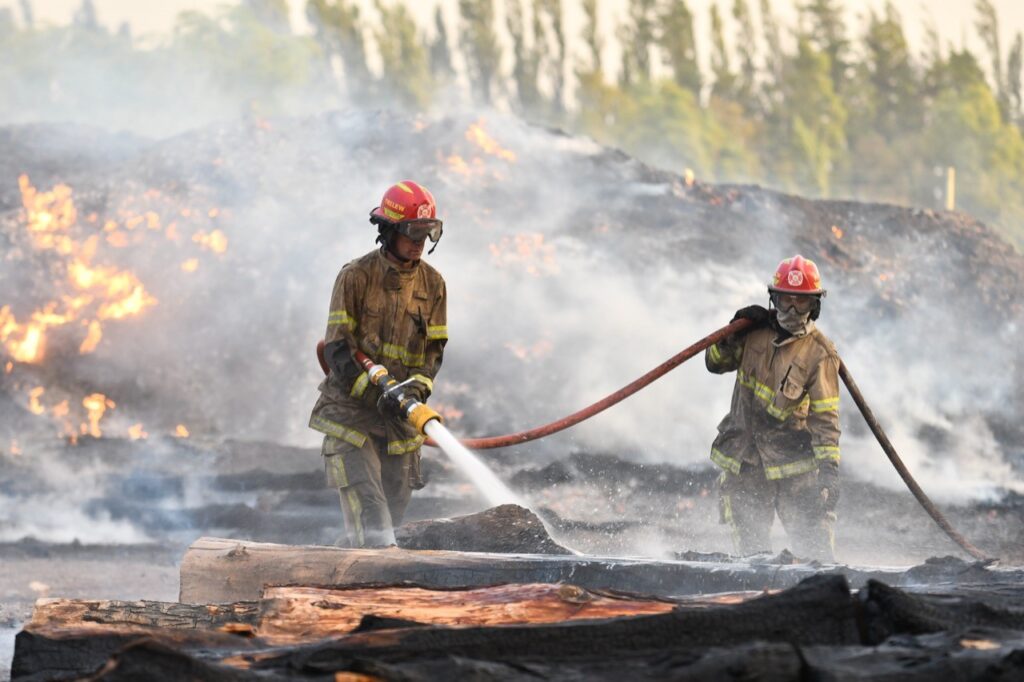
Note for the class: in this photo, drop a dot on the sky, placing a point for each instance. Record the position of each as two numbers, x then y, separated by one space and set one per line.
953 18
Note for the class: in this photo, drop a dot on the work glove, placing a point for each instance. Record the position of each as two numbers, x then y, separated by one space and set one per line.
757 314
828 485
388 405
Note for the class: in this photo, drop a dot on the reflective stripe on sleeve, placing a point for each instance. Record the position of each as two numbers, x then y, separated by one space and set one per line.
359 385
437 332
339 431
767 396
355 508
400 447
802 466
826 452
425 380
341 318
825 405
716 356
725 461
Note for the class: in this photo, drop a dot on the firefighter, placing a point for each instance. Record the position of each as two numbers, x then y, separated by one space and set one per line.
778 447
392 306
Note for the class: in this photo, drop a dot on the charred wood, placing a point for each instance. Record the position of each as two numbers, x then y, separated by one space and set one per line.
506 529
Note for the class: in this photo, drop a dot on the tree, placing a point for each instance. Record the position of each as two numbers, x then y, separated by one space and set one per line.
724 79
746 47
550 32
526 59
988 30
827 33
590 36
1014 65
807 137
677 41
774 56
85 16
28 15
404 59
440 53
637 36
271 13
480 44
337 29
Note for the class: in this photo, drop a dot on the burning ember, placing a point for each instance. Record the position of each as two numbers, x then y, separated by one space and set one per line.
478 136
181 431
837 231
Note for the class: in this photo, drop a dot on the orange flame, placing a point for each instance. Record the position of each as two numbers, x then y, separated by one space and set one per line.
216 241
34 406
837 231
92 339
191 265
96 405
15 450
136 432
478 136
181 431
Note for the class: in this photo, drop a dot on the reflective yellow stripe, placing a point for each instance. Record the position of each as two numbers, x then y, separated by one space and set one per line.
767 396
340 318
725 461
829 452
356 509
802 466
426 381
400 447
359 385
405 187
339 431
825 404
716 357
437 332
337 465
396 352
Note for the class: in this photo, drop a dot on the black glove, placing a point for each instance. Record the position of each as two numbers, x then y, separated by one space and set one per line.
757 314
388 405
828 485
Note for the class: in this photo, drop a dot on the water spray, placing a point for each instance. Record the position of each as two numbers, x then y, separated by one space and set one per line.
429 423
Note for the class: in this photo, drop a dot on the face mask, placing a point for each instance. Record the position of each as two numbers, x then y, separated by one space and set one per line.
793 322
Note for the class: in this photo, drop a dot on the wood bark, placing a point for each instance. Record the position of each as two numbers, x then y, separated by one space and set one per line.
220 571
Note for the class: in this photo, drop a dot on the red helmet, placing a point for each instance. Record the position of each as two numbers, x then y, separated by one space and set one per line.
406 201
410 207
797 275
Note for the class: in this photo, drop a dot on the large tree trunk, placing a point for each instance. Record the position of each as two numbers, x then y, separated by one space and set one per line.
218 571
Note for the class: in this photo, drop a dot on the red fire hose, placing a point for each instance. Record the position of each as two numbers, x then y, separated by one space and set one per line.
587 412
678 359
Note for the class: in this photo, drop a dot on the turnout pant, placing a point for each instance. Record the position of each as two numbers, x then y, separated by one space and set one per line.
749 501
374 488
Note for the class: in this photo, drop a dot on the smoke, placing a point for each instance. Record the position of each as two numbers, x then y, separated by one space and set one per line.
571 271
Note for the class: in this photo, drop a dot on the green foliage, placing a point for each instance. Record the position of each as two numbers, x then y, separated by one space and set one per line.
480 46
677 41
831 113
405 62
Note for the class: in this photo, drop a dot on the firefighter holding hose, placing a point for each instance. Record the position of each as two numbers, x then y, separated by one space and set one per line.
391 306
779 445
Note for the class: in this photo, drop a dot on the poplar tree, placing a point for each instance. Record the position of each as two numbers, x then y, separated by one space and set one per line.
440 53
724 84
526 64
404 58
480 46
1014 65
338 31
988 30
676 39
591 37
746 48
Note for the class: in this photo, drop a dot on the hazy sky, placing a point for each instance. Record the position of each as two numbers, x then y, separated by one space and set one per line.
953 18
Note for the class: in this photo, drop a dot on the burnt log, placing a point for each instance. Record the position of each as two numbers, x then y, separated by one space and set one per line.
296 614
505 529
102 613
888 611
817 611
218 571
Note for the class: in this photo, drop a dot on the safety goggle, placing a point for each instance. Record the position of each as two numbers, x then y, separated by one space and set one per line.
420 229
801 303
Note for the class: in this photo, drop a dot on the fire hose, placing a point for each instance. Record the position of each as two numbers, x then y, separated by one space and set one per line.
648 378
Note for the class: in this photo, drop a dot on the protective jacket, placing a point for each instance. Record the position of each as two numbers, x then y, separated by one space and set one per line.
785 404
398 317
